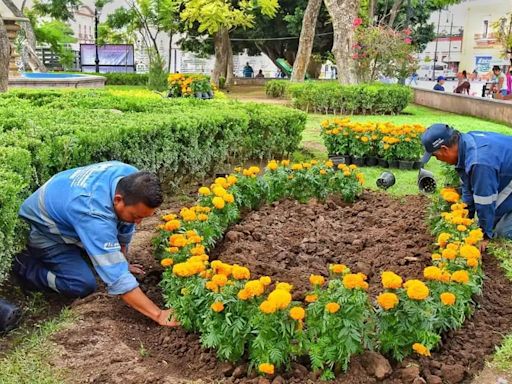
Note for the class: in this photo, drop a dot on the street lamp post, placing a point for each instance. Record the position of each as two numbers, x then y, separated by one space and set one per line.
435 49
96 22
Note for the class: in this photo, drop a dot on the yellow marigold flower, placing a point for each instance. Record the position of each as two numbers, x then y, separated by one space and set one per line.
284 286
285 163
194 259
323 172
232 179
177 240
228 198
346 173
280 297
329 164
197 250
477 234
243 294
172 225
469 252
449 254
352 166
221 268
432 273
212 286
255 288
204 191
202 217
167 262
237 169
306 165
462 228
447 298
272 165
240 273
442 239
316 280
217 306
338 268
314 162
391 280
220 280
266 368
268 307
472 263
360 178
254 169
420 349
387 300
169 217
265 280
311 298
218 202
451 196
436 256
297 167
173 250
297 313
222 182
219 191
332 307
417 290
460 277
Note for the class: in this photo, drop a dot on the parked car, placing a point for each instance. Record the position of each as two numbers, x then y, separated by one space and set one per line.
426 71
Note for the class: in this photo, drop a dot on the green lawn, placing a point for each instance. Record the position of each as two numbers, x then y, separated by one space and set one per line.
406 180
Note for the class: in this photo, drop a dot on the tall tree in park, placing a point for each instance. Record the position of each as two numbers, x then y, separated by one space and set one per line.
343 14
218 18
5 53
503 30
307 36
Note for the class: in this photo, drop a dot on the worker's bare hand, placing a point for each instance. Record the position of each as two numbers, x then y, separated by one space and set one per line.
483 245
166 319
136 269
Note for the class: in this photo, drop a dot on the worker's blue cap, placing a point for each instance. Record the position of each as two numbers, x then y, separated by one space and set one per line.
434 137
439 78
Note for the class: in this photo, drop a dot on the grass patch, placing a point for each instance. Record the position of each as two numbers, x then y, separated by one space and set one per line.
28 362
406 181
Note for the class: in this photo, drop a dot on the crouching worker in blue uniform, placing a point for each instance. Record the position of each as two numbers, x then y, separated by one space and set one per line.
483 161
87 216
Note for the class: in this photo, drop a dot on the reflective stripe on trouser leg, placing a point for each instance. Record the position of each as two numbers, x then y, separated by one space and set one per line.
51 281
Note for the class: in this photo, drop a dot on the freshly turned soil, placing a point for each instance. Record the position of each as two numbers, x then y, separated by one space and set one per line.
288 241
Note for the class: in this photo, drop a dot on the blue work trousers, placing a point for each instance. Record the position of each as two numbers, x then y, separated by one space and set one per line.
504 226
61 268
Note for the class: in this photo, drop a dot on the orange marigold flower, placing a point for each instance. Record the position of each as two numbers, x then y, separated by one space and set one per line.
338 268
449 254
177 240
265 280
212 286
355 280
311 298
217 306
228 198
254 287
332 307
447 298
460 277
469 252
329 164
473 263
316 280
173 250
272 165
436 256
297 313
268 307
417 290
202 217
391 280
420 349
220 280
172 225
387 300
266 368
432 273
167 262
232 179
244 294
462 228
280 297
240 273
442 239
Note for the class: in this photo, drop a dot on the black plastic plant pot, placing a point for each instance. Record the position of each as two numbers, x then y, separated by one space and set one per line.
372 161
10 316
404 164
383 163
426 181
359 161
393 163
417 165
337 159
386 180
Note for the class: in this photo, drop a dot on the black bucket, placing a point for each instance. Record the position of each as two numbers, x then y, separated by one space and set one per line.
426 181
10 315
386 180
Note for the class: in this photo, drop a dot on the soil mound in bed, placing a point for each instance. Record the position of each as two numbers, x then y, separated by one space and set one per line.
287 241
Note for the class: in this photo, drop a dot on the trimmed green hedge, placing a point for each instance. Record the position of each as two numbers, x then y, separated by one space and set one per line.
119 78
44 132
330 97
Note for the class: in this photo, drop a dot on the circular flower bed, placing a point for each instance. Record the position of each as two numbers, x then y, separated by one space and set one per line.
336 320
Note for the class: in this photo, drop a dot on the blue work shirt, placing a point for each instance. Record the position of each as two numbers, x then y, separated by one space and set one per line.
76 207
438 87
485 167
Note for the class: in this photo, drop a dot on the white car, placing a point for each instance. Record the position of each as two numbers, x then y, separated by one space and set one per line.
426 72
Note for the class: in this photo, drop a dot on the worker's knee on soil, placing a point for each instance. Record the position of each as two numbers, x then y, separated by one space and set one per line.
78 286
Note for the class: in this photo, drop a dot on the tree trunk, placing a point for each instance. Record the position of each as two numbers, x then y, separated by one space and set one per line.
223 57
343 13
394 12
5 54
371 11
34 62
169 54
307 37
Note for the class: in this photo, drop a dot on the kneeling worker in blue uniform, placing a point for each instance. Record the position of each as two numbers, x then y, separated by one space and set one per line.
483 161
87 216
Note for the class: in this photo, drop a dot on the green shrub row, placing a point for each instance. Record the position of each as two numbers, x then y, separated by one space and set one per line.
44 132
117 78
330 97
